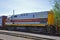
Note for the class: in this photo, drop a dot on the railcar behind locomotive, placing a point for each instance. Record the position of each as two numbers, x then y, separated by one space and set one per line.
38 22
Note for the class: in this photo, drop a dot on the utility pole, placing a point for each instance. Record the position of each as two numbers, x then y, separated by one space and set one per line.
13 16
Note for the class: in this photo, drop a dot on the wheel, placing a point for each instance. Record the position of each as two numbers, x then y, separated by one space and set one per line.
10 28
52 30
37 29
21 28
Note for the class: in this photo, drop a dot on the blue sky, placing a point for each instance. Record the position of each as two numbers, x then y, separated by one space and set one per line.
23 6
58 1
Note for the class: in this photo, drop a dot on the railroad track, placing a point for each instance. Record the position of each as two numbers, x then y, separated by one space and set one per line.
25 36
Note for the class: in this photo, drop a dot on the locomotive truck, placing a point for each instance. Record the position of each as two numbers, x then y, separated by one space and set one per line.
37 22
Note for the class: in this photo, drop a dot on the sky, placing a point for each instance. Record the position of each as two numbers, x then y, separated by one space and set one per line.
58 1
23 6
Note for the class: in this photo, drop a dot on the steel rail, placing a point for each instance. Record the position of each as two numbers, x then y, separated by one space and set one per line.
25 36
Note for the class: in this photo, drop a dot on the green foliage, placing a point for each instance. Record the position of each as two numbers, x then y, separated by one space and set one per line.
56 10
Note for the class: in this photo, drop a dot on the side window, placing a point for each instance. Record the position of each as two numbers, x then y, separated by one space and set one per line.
15 16
24 14
21 14
0 17
33 15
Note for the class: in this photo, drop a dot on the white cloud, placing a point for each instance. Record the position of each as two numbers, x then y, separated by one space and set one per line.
23 6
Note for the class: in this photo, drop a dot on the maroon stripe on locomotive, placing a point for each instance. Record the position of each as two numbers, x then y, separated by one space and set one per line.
29 20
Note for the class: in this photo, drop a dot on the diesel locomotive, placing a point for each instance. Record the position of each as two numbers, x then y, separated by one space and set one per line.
37 22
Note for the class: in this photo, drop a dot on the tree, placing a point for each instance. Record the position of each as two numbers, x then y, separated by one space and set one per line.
56 10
